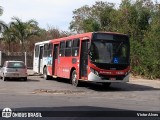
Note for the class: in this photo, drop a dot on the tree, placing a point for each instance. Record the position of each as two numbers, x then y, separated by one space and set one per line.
95 18
8 36
140 19
1 10
90 25
1 22
53 33
80 15
24 30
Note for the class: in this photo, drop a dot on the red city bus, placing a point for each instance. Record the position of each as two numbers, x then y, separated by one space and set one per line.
101 57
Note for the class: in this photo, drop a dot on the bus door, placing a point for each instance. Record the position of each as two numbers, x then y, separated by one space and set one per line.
55 59
40 63
84 58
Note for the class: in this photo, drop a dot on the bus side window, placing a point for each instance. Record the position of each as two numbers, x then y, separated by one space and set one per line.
62 49
45 50
36 50
50 46
68 49
75 47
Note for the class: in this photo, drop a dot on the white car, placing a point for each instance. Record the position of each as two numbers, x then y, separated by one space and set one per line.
13 69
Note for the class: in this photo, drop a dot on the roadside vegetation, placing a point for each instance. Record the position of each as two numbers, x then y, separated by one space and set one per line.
139 19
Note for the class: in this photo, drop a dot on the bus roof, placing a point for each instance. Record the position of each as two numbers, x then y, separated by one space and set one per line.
89 34
43 42
73 36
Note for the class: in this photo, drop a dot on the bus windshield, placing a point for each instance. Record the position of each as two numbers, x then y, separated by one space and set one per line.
114 52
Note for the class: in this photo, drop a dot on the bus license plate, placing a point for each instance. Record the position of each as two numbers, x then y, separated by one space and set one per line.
112 79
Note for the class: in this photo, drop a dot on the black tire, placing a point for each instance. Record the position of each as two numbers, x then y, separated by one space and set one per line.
74 79
106 85
25 78
45 75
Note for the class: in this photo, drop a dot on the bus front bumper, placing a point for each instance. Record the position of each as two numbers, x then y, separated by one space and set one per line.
95 78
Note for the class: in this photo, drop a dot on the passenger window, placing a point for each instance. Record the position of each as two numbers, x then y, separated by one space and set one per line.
76 43
45 50
75 47
50 47
68 49
62 49
69 44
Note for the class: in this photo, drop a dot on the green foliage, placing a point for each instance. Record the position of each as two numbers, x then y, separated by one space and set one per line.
1 10
140 19
95 18
8 36
1 22
23 30
90 25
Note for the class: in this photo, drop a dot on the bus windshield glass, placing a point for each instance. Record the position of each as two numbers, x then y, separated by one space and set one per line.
109 51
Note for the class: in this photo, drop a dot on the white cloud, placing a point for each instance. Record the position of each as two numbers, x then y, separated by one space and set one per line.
56 13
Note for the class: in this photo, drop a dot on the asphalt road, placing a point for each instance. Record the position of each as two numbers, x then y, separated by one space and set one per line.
38 94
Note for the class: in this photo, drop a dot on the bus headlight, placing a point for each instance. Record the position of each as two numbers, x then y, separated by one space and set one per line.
127 73
94 71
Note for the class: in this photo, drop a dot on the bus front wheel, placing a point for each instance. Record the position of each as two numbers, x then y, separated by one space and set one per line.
46 77
106 85
74 79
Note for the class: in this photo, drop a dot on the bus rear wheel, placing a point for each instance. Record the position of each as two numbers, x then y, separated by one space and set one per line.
45 75
74 79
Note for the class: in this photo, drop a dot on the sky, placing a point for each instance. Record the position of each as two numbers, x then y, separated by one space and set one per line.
53 13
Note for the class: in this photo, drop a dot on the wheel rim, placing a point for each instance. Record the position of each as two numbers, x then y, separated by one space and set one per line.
74 79
45 73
